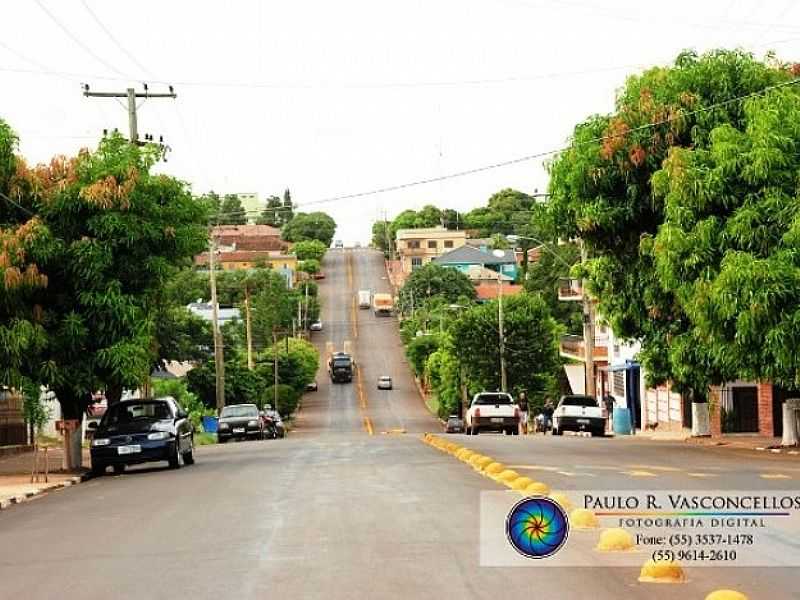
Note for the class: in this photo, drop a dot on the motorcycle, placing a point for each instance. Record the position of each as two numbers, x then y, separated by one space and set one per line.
542 423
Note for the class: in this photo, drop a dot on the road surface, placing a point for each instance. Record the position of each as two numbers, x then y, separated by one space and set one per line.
350 505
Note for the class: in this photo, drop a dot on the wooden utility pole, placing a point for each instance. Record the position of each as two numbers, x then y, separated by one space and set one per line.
131 95
588 332
275 367
248 327
219 356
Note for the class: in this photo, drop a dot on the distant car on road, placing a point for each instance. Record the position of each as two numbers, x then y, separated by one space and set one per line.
492 411
316 326
577 412
138 431
454 425
239 421
384 382
319 275
312 387
338 244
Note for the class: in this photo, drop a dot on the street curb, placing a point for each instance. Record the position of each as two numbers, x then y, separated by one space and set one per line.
442 422
8 503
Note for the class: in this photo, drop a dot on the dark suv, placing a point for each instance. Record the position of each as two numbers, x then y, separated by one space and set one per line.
139 431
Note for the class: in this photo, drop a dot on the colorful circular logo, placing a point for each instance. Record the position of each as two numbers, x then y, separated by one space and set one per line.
537 527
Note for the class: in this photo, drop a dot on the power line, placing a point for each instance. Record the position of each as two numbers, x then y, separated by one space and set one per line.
545 153
78 41
114 40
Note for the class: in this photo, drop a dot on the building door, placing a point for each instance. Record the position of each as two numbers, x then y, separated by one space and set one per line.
779 395
744 416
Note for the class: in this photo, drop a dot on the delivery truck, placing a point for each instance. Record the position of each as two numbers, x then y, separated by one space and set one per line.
382 304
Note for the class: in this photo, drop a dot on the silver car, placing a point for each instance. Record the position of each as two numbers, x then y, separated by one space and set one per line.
384 382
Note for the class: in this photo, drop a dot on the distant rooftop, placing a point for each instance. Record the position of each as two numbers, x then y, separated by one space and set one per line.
473 256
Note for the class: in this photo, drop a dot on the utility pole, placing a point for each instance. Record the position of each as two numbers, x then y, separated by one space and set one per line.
503 378
131 95
248 327
588 332
219 357
275 368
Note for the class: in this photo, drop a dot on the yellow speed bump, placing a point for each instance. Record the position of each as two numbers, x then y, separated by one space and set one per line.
452 447
537 488
521 483
472 460
615 540
482 463
461 453
466 456
726 595
662 571
583 518
563 500
508 475
494 468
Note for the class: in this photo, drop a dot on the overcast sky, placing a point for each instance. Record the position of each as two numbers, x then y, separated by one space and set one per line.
334 98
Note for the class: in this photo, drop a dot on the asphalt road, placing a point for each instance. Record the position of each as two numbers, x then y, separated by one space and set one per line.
350 505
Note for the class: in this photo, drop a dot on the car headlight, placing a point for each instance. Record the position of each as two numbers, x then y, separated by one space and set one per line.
101 442
224 426
158 435
252 423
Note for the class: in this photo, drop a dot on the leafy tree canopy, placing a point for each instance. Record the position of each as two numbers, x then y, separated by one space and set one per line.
310 226
309 249
82 277
435 280
622 188
231 211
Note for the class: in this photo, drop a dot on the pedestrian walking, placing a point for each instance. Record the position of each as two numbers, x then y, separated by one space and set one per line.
608 401
522 404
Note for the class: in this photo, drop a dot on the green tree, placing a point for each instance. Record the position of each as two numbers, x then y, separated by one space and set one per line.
106 235
419 349
231 211
435 280
602 191
542 279
309 266
273 213
728 245
309 249
310 226
505 213
288 399
531 342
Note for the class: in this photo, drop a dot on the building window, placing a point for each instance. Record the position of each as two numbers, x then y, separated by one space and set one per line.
619 383
448 243
432 244
416 262
412 244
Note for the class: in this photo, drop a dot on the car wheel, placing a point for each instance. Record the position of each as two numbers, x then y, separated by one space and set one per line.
598 433
175 458
515 431
221 440
556 431
476 430
119 469
98 470
188 457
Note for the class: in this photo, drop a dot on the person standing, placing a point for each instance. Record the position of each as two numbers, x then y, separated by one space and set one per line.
608 401
522 404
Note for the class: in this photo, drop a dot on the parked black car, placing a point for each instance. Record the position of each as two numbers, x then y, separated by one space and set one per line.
454 425
139 431
240 421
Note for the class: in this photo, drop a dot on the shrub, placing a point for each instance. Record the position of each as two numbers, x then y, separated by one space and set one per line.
177 388
288 399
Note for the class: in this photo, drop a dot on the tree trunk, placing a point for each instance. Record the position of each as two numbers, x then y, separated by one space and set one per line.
701 414
72 408
791 406
113 394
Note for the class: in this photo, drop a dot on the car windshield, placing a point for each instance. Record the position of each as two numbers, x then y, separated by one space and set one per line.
341 362
386 378
493 399
578 401
239 411
128 412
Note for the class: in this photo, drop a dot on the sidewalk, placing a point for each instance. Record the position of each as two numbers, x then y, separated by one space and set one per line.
15 476
758 443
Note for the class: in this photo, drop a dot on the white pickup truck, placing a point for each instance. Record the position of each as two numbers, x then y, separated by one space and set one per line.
492 411
579 413
364 298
